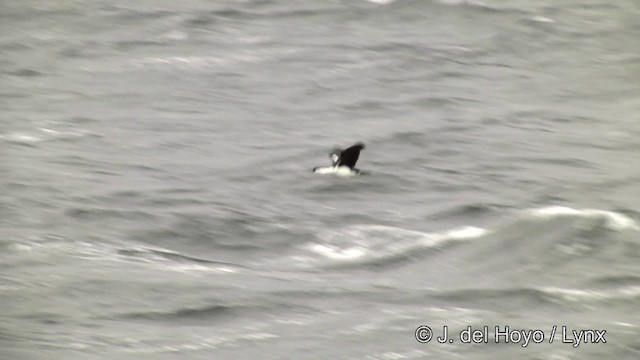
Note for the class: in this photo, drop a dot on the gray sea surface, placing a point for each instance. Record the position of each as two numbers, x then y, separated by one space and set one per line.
157 199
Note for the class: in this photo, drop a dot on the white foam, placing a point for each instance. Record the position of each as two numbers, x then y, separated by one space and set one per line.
21 138
467 232
339 254
145 255
578 295
380 241
390 355
463 2
542 19
44 134
195 62
184 268
175 35
383 2
615 220
625 324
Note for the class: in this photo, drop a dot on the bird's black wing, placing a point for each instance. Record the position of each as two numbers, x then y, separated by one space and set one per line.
349 156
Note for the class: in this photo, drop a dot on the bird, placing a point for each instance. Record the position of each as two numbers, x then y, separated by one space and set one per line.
343 162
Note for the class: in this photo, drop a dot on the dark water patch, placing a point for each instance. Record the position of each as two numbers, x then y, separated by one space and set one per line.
77 161
201 20
17 186
101 214
145 168
181 191
26 73
15 46
409 137
173 256
397 47
513 299
82 120
231 231
482 7
257 12
457 130
344 217
165 198
442 170
234 14
547 196
357 187
573 119
430 102
369 105
105 172
510 298
15 95
617 280
134 44
563 162
219 312
303 13
472 210
88 49
596 6
172 202
128 194
46 318
203 314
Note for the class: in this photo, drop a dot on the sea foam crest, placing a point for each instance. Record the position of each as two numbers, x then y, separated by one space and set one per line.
615 220
579 295
383 2
379 241
43 134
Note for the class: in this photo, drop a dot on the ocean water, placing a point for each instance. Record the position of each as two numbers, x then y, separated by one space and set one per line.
157 199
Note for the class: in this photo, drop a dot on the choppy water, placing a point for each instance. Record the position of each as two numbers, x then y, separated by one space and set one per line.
156 199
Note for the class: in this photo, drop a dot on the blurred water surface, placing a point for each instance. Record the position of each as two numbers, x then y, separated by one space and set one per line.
156 198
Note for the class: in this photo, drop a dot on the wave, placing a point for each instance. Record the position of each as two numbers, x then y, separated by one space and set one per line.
379 244
551 295
41 135
614 220
205 343
617 280
589 295
48 247
161 259
25 73
481 5
204 313
476 209
154 254
192 63
542 20
382 2
522 239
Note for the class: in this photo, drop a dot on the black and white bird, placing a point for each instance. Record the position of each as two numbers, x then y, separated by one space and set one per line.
343 162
